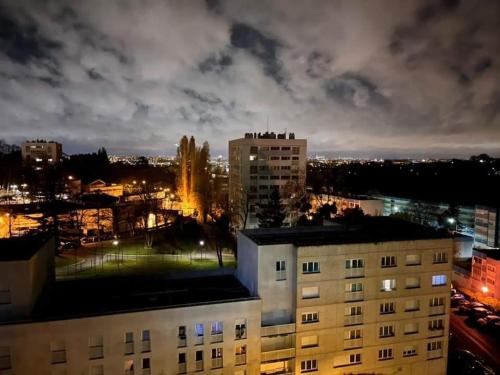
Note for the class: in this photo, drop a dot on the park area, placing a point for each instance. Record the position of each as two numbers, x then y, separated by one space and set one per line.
173 253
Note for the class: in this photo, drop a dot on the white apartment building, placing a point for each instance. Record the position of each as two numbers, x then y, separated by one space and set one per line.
336 301
259 163
487 227
333 300
41 152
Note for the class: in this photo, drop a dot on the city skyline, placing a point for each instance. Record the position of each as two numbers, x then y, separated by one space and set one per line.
356 79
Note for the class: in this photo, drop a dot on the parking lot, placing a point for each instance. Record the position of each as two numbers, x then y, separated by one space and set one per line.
475 338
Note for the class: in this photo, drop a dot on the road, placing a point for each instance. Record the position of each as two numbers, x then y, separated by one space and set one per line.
484 345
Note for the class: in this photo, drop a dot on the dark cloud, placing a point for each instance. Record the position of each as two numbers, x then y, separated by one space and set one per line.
216 63
262 47
22 41
208 98
318 64
355 90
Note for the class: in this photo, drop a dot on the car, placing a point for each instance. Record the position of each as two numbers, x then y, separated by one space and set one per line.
465 308
70 245
477 367
488 321
479 312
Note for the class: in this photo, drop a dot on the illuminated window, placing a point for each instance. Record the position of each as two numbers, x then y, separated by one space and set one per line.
438 280
388 285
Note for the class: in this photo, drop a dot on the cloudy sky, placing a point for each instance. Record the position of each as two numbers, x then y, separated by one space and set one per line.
356 78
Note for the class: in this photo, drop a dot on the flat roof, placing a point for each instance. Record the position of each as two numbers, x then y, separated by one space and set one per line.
116 295
22 248
364 230
490 253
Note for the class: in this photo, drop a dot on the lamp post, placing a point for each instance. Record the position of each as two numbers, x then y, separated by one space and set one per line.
201 243
452 221
116 244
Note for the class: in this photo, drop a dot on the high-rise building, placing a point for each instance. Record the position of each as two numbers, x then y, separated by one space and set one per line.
41 152
372 298
259 163
487 227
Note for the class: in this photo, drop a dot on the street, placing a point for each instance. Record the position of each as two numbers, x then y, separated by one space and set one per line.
480 343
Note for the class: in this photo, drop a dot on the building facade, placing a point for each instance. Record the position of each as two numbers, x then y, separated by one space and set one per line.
486 227
337 305
485 272
41 152
259 163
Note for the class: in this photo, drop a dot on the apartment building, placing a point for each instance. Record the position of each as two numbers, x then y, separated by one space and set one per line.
337 300
40 152
486 227
259 163
126 326
484 276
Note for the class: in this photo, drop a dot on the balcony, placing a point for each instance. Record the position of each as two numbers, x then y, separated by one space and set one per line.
240 359
198 340
433 354
96 352
58 356
353 296
436 310
146 346
182 368
276 330
277 355
353 343
198 365
354 272
350 320
216 362
129 348
181 342
216 337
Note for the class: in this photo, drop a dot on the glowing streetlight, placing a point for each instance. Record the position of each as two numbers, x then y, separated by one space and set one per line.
144 182
451 220
202 242
485 289
134 182
115 242
70 177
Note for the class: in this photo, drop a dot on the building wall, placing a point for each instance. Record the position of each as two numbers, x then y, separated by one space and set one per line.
485 272
252 166
333 349
23 281
486 226
42 152
73 336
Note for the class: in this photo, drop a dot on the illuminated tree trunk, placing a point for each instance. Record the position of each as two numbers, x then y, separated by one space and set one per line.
193 187
183 164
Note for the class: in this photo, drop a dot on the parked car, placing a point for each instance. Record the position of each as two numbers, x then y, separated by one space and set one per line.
488 321
457 299
69 245
464 308
479 312
88 239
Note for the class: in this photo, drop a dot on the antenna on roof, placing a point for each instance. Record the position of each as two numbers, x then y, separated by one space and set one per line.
268 124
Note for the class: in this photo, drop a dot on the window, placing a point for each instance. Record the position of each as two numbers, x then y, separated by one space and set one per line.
409 351
240 353
352 334
310 317
388 261
99 370
275 158
129 337
58 352
386 331
436 301
309 341
387 308
438 280
146 341
275 148
412 282
199 355
388 285
355 358
295 150
354 287
217 358
384 354
182 332
310 292
285 167
5 358
434 345
353 310
252 157
96 349
411 328
253 169
353 263
240 329
181 358
253 149
440 257
436 324
310 267
413 260
280 270
285 148
146 363
198 329
412 305
309 365
285 158
217 328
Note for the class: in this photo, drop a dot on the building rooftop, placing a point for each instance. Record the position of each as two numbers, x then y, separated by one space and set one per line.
364 230
490 253
22 248
104 296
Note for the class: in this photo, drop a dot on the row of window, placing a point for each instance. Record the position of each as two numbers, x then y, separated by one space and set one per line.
255 149
434 349
216 332
240 356
353 290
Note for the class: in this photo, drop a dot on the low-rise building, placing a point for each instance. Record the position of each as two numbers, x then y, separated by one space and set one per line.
485 272
486 227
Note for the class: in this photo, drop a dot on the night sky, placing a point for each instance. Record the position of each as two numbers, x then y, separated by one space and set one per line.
356 78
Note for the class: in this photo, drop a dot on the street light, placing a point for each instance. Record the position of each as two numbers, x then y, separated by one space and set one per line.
485 289
202 243
117 253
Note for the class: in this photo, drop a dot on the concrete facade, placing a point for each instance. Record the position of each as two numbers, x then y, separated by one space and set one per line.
41 152
259 163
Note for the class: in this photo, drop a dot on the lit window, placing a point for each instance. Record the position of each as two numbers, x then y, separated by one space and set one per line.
438 280
388 285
